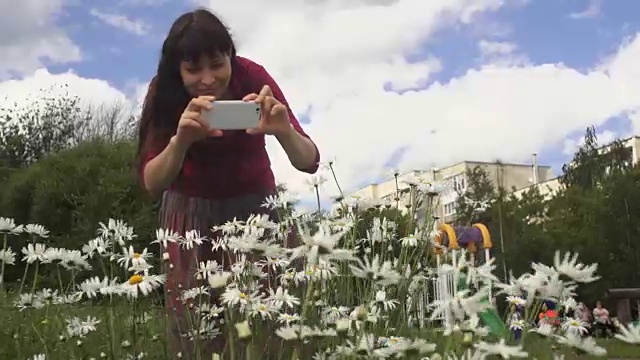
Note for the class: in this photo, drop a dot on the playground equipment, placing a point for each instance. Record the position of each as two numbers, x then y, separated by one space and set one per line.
471 238
476 240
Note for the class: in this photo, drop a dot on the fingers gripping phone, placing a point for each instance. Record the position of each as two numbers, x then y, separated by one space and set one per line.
232 115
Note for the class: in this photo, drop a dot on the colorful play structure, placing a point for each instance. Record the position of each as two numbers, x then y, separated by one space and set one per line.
475 240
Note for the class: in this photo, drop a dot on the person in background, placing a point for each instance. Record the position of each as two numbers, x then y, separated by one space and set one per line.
600 314
602 325
549 314
583 314
204 176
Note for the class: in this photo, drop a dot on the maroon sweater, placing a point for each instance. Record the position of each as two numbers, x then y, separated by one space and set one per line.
236 163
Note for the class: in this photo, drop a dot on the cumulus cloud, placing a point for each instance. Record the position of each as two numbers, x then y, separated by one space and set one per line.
91 92
503 53
592 10
30 34
122 22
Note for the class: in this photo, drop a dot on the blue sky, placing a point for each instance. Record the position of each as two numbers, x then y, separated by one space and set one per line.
120 44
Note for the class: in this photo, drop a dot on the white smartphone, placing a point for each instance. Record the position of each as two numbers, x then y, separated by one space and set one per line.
232 115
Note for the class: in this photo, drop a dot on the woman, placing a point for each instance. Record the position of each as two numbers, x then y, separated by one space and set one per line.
205 176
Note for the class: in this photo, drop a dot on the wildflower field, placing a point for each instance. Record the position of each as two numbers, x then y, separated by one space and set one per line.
355 295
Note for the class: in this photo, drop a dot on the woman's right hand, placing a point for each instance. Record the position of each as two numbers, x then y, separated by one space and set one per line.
191 127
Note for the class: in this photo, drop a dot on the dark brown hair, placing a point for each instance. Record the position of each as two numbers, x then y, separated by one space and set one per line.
193 35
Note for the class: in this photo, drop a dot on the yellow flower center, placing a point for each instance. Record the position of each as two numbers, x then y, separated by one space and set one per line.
243 296
137 256
262 307
135 279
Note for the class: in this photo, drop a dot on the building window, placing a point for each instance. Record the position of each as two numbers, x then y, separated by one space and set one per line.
458 183
449 208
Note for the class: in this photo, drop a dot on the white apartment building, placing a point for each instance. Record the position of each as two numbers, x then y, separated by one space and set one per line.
517 177
550 187
508 176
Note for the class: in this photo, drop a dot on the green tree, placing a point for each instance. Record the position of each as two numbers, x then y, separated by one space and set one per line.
474 201
592 163
53 123
519 220
595 213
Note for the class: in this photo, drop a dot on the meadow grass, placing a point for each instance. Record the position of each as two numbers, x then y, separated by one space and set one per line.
26 333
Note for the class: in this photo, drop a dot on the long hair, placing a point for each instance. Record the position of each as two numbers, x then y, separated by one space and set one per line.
193 35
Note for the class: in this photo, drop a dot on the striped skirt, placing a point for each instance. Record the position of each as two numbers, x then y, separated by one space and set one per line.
181 214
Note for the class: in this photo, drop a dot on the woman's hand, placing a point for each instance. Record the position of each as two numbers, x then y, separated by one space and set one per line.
274 118
191 127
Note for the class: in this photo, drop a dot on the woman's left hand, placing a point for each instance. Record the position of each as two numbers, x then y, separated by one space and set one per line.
274 118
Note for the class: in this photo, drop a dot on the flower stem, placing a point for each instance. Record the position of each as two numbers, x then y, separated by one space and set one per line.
305 307
318 201
232 345
35 279
333 173
4 248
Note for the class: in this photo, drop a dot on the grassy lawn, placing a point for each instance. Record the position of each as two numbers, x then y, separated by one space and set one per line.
615 349
26 333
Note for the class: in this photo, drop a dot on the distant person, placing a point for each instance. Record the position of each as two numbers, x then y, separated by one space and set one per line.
205 176
582 313
602 323
600 314
549 314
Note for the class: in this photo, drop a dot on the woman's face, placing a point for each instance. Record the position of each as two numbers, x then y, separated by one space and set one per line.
209 76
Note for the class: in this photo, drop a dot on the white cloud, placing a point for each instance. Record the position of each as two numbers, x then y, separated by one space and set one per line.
502 53
30 34
134 3
92 92
490 48
122 22
592 10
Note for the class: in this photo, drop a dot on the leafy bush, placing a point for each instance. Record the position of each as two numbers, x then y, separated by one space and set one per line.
71 191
